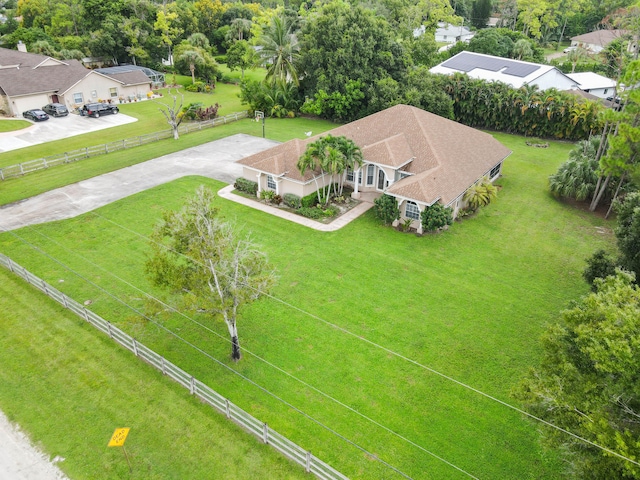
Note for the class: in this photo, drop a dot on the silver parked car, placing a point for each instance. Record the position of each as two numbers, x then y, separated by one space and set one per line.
56 110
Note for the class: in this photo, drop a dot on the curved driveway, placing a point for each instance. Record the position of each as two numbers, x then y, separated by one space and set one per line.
214 159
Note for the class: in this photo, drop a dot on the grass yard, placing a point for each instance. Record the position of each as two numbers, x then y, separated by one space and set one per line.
360 317
19 188
13 125
70 388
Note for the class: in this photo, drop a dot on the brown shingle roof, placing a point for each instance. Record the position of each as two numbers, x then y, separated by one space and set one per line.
50 78
445 157
14 57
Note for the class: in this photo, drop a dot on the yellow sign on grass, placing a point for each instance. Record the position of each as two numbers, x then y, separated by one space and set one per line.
118 437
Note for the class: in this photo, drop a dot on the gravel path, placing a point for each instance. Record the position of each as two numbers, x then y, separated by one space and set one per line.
20 460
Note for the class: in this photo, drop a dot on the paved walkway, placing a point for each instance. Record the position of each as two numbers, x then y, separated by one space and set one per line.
338 223
214 160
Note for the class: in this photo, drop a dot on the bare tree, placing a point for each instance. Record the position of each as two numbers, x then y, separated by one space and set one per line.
173 112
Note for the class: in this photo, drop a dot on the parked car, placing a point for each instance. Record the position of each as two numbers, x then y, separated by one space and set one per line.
35 114
56 110
570 49
96 109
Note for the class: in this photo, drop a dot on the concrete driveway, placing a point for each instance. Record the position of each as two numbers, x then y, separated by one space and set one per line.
59 127
214 160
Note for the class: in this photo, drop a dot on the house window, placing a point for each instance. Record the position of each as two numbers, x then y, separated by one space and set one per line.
271 183
370 171
77 98
495 171
411 210
94 94
113 92
350 175
605 90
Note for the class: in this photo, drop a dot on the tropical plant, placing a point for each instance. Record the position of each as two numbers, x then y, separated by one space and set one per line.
599 265
577 177
628 232
280 50
435 217
480 194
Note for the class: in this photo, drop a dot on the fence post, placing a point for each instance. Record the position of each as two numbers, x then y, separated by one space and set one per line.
45 285
164 371
2 173
86 152
10 265
307 467
64 301
86 314
21 170
109 330
192 386
135 347
25 275
44 160
227 408
265 433
66 157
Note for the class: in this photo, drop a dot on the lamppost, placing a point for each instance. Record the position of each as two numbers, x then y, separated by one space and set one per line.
260 115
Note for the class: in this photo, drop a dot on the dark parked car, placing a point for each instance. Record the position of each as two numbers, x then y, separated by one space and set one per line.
35 114
97 109
56 110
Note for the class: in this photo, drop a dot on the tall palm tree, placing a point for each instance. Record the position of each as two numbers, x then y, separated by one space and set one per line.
193 58
281 49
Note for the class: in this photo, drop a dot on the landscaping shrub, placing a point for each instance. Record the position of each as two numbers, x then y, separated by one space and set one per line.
386 209
331 211
435 217
267 195
599 265
246 186
311 212
276 200
292 200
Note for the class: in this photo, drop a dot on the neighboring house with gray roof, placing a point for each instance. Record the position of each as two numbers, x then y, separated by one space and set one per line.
29 81
506 70
415 156
597 41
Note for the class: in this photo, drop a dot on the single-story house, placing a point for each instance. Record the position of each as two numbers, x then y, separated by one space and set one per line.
594 84
121 72
415 156
597 41
506 70
29 81
447 33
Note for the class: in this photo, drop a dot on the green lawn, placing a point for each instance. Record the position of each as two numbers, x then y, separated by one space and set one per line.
70 388
13 125
19 188
470 303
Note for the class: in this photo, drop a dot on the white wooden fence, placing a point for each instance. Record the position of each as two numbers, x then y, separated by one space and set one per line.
88 152
196 387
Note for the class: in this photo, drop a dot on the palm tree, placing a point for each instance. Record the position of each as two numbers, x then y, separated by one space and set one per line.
312 159
280 47
193 58
352 155
480 194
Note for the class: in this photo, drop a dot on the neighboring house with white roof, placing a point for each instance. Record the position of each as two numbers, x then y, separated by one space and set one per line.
594 84
29 81
597 41
415 156
448 33
512 72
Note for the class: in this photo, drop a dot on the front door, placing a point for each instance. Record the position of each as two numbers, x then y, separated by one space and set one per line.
54 99
381 179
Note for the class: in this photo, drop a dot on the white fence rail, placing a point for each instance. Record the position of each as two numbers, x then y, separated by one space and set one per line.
88 152
261 430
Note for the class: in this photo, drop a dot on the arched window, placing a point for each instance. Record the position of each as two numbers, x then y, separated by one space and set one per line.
411 210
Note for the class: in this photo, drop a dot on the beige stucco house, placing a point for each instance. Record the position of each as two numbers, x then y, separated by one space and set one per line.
29 81
418 157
